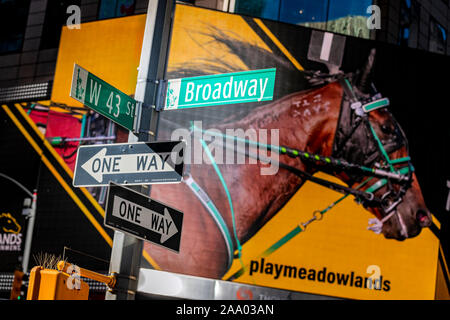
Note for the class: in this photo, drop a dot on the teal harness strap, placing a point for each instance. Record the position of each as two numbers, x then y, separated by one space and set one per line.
215 214
381 148
230 202
377 104
303 155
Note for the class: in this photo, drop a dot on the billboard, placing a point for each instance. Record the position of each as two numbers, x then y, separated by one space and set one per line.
254 222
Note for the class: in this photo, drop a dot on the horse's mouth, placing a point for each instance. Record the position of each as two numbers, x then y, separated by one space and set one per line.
401 228
398 237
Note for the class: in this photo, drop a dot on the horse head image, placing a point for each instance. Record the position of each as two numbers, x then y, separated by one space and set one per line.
340 118
377 140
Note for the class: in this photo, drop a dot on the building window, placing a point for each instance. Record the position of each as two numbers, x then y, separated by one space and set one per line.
267 9
409 23
349 17
115 8
341 16
404 22
13 22
438 37
304 12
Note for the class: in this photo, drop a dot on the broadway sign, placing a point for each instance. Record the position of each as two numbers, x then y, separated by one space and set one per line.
129 163
220 89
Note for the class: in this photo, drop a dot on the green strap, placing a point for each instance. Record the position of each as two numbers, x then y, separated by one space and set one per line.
31 108
206 201
382 182
381 103
400 160
381 148
222 180
349 90
310 156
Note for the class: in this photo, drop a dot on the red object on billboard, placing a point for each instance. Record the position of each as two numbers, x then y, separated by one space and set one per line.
58 124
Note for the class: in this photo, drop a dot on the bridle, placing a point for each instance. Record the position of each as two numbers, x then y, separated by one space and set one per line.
360 108
376 164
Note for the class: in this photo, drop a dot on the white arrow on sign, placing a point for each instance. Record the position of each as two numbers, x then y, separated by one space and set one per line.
101 164
144 217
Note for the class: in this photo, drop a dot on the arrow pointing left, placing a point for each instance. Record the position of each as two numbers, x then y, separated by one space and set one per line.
158 162
101 164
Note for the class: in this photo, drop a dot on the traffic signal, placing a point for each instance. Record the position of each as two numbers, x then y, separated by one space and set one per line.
17 292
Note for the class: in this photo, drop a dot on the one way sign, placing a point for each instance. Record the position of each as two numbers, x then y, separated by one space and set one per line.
129 163
132 212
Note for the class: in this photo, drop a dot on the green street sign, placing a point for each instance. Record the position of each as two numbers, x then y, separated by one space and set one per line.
220 89
100 96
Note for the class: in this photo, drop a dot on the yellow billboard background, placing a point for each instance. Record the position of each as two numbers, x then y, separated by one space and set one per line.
110 49
340 242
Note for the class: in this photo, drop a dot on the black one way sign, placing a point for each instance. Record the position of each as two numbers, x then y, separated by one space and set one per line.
134 213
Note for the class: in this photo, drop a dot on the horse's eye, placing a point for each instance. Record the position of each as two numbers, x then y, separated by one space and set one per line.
386 128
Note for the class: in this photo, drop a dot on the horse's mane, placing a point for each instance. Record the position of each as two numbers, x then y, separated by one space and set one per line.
254 57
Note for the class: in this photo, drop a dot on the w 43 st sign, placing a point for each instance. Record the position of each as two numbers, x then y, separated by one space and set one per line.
103 98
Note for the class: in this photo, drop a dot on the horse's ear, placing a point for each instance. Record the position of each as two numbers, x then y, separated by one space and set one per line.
364 80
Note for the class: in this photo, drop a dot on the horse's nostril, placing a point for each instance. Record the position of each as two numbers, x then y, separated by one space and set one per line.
422 218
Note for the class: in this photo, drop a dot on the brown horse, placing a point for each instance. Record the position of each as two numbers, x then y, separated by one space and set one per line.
308 121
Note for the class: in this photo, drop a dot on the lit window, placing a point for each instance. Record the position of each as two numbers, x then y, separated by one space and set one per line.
115 8
340 16
304 12
267 9
438 37
349 17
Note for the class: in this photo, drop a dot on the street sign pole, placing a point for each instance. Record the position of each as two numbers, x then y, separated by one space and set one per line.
127 250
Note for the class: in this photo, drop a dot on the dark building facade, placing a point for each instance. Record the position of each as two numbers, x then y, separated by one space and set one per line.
31 28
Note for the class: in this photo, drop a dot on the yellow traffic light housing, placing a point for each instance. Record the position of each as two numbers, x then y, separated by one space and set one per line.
48 284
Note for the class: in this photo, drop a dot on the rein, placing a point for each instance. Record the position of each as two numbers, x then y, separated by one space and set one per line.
386 173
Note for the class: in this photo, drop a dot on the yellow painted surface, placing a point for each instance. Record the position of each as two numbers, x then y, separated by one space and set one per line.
193 42
341 243
110 49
